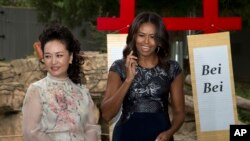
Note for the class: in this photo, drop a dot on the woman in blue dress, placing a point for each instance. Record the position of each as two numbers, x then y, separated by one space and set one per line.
143 83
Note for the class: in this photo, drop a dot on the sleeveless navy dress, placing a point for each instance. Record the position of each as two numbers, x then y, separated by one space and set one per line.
145 106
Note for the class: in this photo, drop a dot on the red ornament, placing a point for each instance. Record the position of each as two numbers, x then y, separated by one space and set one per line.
38 50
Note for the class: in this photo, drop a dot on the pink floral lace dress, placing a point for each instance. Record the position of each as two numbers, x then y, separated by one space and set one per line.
59 110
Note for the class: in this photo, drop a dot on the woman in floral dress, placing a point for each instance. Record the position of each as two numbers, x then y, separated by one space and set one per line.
58 107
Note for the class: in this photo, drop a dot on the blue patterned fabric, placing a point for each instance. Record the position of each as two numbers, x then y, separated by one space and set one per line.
148 95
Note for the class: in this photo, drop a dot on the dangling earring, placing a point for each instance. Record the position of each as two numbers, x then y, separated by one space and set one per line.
158 49
42 60
71 59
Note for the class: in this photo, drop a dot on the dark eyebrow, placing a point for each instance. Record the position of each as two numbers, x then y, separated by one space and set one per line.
145 33
55 52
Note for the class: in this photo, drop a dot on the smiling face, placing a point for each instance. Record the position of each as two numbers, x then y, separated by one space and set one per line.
145 40
56 58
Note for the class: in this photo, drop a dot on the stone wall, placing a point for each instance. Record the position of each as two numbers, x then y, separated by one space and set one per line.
15 77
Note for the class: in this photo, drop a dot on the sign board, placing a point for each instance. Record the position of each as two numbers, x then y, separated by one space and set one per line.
213 85
115 45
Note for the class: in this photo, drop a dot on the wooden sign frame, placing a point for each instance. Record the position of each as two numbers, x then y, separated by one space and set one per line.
212 85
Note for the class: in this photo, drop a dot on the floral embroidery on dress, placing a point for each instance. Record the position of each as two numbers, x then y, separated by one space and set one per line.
150 88
65 108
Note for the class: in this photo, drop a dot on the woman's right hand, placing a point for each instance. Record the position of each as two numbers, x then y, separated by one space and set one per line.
130 64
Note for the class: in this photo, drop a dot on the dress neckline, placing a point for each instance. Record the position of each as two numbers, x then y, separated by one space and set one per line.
59 80
147 68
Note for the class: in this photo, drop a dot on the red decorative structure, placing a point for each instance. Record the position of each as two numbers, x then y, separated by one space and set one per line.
121 24
209 23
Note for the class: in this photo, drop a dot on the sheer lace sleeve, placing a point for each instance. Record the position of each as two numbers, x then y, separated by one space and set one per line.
32 112
92 129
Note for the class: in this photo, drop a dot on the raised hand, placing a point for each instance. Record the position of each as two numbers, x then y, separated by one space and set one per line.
130 64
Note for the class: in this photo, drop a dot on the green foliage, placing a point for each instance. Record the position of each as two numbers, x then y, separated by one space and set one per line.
170 8
74 13
49 10
244 116
15 3
236 8
243 89
95 37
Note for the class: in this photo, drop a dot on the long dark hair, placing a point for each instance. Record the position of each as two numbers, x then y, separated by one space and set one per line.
162 37
56 31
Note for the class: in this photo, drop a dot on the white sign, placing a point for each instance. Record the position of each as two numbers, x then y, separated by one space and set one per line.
213 87
116 44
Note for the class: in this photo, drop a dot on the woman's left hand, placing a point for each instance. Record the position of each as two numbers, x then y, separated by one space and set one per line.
164 136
